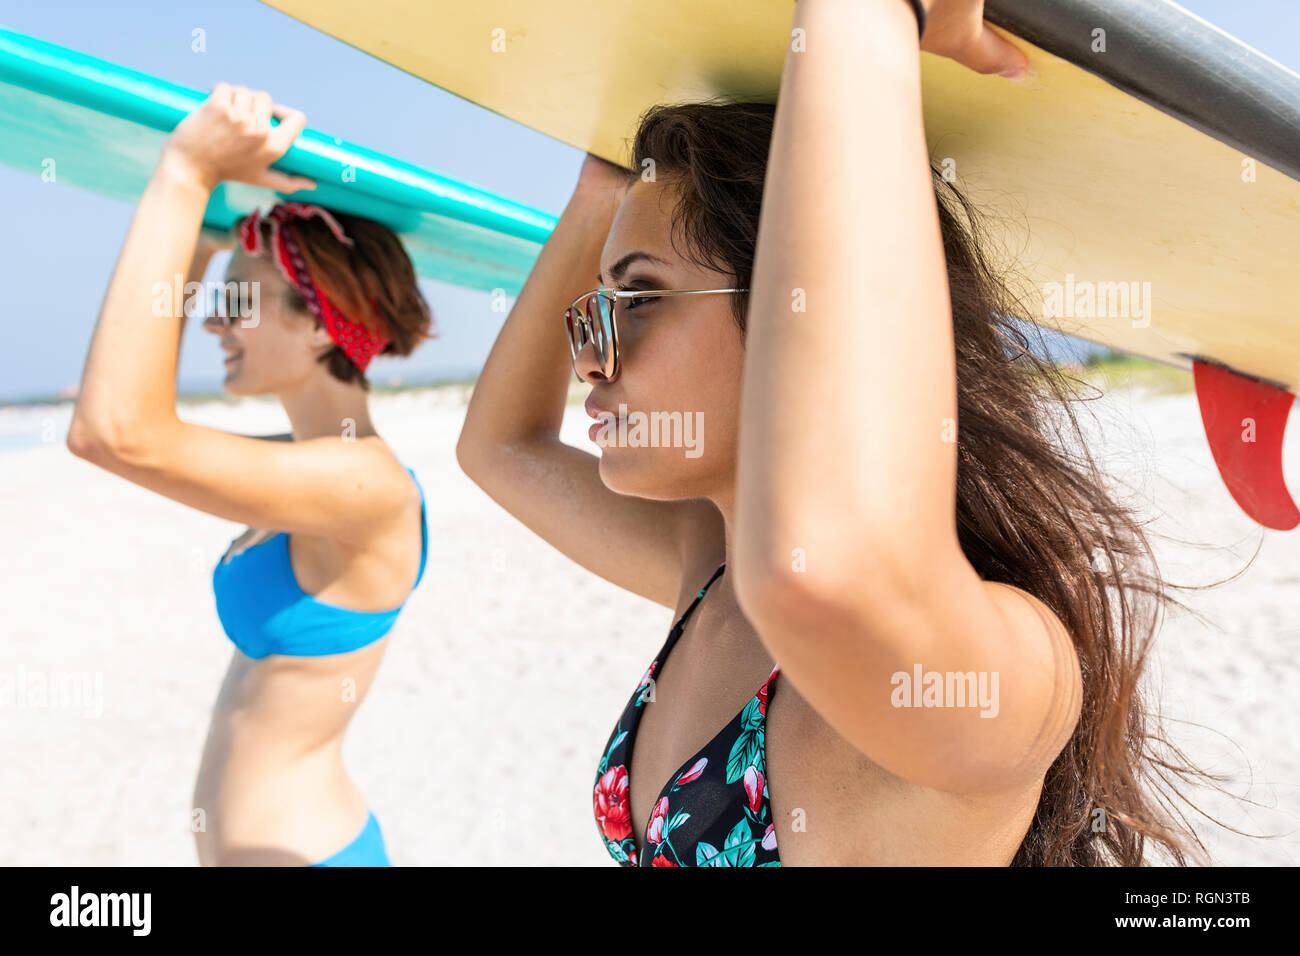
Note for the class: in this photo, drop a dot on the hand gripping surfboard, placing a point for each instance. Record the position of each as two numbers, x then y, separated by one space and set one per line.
78 120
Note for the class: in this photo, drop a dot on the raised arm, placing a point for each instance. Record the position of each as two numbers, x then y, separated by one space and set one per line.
842 457
510 444
125 419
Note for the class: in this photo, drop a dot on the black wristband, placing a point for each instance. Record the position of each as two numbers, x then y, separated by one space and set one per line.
920 18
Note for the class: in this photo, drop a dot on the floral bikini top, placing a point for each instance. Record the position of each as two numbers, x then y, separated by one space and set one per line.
714 811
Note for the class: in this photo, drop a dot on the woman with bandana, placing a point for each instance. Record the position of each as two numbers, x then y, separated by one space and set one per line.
337 535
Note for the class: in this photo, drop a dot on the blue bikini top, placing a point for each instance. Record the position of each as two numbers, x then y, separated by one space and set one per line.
264 611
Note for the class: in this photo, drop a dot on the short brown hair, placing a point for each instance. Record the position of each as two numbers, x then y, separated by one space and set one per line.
376 268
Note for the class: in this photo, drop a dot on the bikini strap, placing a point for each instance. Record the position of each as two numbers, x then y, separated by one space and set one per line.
681 621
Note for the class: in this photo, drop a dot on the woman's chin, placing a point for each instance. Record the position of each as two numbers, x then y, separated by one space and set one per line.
634 472
234 385
239 382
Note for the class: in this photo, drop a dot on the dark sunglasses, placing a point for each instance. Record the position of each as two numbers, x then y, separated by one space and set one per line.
592 319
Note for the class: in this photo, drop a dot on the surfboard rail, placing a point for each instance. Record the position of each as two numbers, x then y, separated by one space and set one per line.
102 125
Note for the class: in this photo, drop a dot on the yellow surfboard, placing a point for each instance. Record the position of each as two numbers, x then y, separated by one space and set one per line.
1144 182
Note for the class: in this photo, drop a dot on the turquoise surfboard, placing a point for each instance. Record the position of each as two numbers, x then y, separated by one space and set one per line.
89 123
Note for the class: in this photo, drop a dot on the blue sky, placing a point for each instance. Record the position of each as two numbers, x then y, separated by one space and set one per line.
58 263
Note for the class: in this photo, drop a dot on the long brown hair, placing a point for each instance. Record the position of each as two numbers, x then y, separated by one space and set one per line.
1031 512
374 269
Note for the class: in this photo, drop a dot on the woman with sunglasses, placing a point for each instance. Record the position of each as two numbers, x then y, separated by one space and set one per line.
891 642
337 535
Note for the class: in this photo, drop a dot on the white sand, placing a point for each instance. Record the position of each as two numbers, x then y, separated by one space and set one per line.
510 664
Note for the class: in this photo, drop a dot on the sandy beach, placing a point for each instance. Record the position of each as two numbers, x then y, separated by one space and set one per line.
509 665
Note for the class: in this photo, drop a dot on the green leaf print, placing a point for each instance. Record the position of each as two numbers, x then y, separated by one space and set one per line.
740 833
747 750
604 761
680 817
733 856
618 852
705 854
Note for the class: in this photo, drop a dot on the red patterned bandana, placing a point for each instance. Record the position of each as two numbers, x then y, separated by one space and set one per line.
358 342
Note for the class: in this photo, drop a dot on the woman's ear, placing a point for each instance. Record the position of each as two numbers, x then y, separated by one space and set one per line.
320 335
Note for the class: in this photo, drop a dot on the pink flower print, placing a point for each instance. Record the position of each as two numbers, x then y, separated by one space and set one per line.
754 784
655 831
694 772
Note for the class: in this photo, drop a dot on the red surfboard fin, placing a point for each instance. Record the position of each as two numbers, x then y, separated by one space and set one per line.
1245 419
